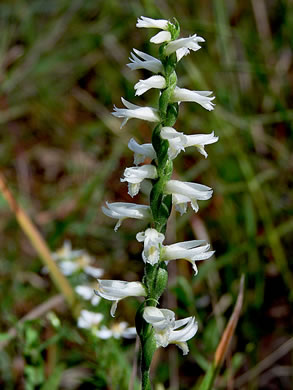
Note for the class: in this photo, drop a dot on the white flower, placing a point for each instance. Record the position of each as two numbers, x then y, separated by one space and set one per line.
123 210
145 61
191 251
182 46
117 330
87 293
66 252
142 86
144 22
162 36
133 111
71 261
180 336
183 192
177 141
135 175
200 97
200 140
152 244
166 328
161 319
141 151
115 290
88 319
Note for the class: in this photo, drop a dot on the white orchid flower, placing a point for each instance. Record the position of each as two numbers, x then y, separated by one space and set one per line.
144 22
162 36
167 330
72 261
123 210
133 111
200 97
141 60
180 336
182 46
200 140
177 141
141 152
89 320
191 251
142 86
117 330
87 293
184 192
135 175
161 319
152 244
115 290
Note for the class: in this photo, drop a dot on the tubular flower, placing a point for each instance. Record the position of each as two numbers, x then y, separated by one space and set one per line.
123 210
133 111
142 86
184 192
161 319
117 330
166 328
177 141
162 36
152 245
141 152
182 46
200 97
135 175
115 290
88 319
141 60
87 293
144 22
191 251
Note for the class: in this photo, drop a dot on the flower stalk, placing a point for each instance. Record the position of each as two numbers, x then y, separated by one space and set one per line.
157 327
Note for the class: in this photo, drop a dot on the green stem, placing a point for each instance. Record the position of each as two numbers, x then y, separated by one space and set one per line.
156 276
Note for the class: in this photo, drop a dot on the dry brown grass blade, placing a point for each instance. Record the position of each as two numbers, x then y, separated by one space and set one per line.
230 328
39 244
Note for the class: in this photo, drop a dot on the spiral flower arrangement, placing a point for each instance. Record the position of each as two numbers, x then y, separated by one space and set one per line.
158 327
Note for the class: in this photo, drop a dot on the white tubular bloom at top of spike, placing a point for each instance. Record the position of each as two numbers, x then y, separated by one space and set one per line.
142 86
167 330
144 22
115 290
184 192
177 141
133 111
200 97
162 36
141 60
191 251
141 152
123 210
152 244
190 43
135 175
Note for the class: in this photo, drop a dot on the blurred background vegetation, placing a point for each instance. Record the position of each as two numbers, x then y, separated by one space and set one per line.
62 67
